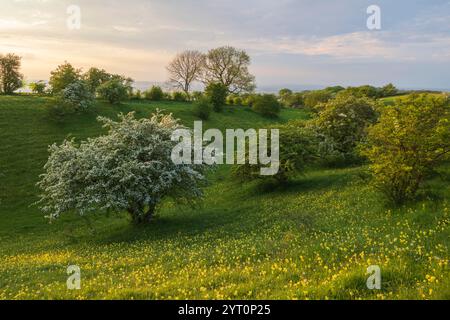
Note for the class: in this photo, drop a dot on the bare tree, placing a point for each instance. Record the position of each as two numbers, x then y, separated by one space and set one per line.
229 66
185 68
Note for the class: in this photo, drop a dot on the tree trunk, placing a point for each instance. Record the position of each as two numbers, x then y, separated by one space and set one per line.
140 217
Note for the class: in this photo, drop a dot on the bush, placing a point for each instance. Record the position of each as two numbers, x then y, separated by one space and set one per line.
237 101
266 105
115 91
293 100
127 169
230 99
202 108
38 87
217 94
405 146
249 99
76 96
154 94
316 97
197 95
95 77
179 96
342 125
137 95
64 75
297 151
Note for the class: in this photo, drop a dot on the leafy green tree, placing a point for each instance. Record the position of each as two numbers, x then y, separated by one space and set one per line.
154 94
297 150
38 87
266 105
388 90
410 140
237 101
249 99
294 100
179 96
284 92
313 98
128 169
114 90
197 95
334 90
229 67
64 75
217 93
361 91
10 76
343 123
95 77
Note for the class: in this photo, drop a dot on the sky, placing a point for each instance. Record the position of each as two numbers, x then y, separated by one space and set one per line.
291 42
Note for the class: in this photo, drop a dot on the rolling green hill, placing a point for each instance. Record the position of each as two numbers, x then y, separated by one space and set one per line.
312 239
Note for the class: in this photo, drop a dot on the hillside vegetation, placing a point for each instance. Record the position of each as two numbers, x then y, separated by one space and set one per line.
311 239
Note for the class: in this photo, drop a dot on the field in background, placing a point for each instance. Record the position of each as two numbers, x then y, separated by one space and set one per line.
312 239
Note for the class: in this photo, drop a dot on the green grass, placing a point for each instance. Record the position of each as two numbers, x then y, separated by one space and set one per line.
313 239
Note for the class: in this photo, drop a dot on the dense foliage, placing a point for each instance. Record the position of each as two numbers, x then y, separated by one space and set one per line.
216 92
297 149
64 75
76 96
409 141
128 169
342 125
266 105
154 94
115 91
38 87
95 77
202 108
10 76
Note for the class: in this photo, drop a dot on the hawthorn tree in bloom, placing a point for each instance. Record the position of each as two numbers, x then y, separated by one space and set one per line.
128 169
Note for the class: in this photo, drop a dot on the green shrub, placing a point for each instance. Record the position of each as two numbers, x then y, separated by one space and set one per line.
179 96
294 100
237 101
202 108
38 87
342 125
266 105
137 95
316 97
76 96
405 146
297 150
197 95
249 99
154 94
115 91
95 77
217 94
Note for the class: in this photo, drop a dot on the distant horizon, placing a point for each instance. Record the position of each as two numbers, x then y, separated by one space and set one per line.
146 84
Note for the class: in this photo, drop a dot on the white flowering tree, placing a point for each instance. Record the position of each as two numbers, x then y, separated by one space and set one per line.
128 169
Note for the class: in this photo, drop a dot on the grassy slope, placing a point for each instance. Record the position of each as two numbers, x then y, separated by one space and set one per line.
314 239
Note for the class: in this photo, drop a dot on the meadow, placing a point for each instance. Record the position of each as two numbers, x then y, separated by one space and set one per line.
311 239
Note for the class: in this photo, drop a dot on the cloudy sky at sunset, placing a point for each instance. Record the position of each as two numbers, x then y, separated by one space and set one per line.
303 42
